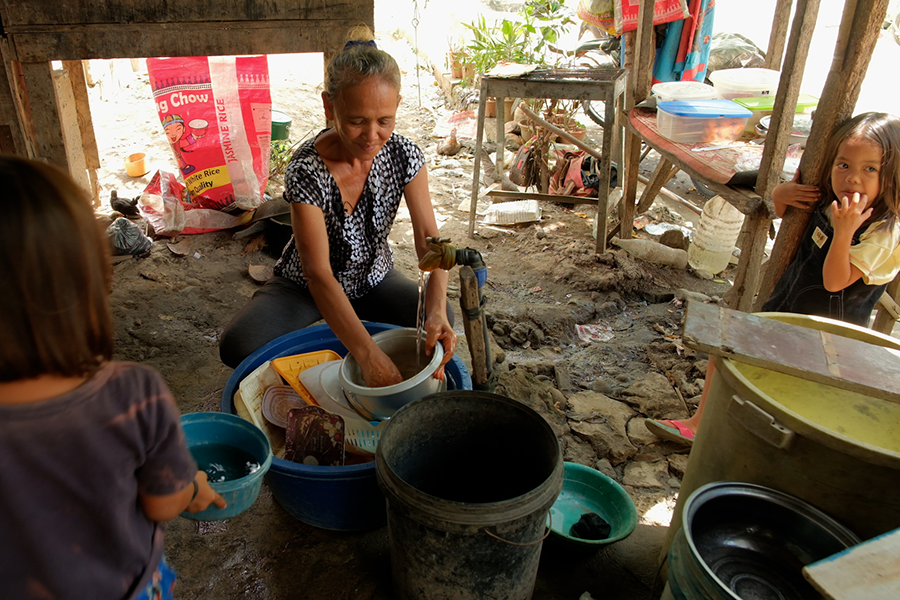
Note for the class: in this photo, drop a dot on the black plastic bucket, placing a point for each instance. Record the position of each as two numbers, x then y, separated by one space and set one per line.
469 478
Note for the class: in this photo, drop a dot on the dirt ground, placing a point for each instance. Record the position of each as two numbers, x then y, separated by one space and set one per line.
544 279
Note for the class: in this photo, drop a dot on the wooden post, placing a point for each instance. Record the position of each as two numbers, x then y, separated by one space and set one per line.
860 27
641 73
746 278
884 320
777 36
46 124
470 303
91 155
663 173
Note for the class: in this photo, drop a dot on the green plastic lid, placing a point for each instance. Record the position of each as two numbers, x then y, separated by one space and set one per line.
804 102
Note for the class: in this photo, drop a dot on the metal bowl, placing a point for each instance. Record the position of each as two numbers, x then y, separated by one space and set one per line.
377 404
750 541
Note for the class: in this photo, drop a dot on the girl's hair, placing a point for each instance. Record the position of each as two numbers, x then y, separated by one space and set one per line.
883 130
55 275
359 60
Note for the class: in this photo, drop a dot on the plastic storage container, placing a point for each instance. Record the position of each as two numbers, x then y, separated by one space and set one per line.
761 106
683 90
695 121
745 83
714 240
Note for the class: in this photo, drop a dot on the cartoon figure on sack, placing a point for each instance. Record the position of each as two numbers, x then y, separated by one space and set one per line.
175 131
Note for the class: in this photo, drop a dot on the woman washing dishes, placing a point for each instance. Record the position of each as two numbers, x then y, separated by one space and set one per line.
345 187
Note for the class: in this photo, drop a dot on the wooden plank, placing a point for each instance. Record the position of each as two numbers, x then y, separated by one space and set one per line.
860 27
181 39
85 12
869 570
476 168
834 360
48 131
778 34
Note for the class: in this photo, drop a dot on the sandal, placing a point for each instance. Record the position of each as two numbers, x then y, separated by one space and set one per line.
673 431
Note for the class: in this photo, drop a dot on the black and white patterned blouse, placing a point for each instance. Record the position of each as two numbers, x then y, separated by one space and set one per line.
358 242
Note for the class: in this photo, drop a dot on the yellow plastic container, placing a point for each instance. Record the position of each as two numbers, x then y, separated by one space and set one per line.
136 165
289 367
835 449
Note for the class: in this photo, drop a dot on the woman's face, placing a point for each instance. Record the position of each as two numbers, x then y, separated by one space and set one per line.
364 116
857 169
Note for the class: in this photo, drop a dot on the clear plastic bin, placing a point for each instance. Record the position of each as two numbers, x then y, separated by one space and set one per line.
683 90
695 121
745 83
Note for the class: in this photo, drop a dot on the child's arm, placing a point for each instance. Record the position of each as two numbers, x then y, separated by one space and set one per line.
166 508
847 215
794 193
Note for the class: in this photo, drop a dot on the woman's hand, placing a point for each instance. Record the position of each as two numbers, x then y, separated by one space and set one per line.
793 193
849 213
439 330
378 370
205 495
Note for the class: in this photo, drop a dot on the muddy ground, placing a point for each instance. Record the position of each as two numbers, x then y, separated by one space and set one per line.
544 279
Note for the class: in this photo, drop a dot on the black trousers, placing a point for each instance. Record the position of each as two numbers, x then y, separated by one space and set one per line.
281 306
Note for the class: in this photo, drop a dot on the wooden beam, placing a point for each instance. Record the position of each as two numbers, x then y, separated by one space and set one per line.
43 109
144 40
860 28
778 34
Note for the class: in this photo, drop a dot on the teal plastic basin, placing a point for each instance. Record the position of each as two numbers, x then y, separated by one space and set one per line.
221 428
588 490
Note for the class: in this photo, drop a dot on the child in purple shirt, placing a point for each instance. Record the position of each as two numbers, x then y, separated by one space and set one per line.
92 456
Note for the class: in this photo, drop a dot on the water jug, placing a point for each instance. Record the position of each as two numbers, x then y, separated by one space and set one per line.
715 237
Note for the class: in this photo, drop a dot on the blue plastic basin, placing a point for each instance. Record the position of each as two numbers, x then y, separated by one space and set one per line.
339 498
219 428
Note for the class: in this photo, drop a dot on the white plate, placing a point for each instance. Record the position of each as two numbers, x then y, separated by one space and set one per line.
323 383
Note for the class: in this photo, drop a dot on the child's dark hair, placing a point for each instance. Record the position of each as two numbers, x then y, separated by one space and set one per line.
55 275
882 129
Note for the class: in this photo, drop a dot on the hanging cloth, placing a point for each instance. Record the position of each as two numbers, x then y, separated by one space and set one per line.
685 51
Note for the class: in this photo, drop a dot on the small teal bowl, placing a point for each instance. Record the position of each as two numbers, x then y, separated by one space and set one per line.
587 490
221 428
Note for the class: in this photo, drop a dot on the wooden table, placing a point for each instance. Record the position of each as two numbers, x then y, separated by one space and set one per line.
715 169
606 85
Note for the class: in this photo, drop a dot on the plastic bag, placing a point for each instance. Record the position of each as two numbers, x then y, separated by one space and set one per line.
217 115
163 204
160 204
664 11
127 238
733 51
